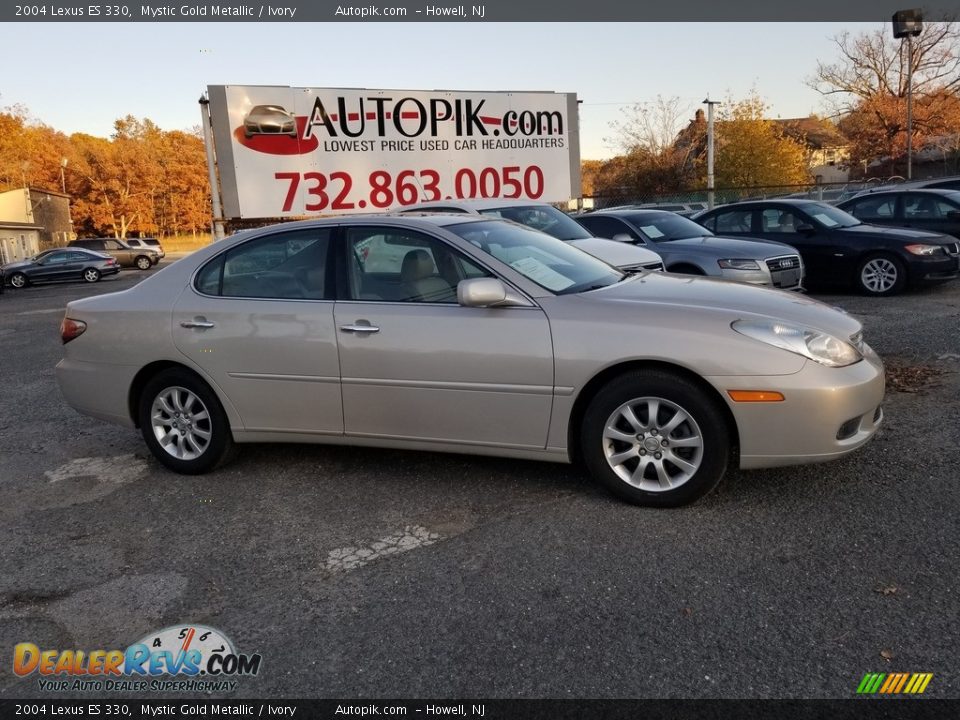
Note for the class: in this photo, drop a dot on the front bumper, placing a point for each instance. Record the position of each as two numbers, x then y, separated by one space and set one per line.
826 412
933 269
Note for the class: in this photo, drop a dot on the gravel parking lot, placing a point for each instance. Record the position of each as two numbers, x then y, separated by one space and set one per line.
376 573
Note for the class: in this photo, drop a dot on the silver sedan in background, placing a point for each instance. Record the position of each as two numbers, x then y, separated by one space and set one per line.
473 335
689 248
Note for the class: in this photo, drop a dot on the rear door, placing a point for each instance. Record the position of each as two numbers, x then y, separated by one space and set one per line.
416 365
931 212
259 320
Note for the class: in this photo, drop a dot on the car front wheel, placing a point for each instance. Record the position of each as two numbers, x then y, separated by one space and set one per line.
91 275
881 275
655 438
18 280
183 423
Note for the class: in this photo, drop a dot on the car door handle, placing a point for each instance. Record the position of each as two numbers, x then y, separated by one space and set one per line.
198 323
359 328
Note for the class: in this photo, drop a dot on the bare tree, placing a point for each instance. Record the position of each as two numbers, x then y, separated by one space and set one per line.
875 63
650 127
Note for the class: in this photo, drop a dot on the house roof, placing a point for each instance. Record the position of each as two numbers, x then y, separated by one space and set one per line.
816 132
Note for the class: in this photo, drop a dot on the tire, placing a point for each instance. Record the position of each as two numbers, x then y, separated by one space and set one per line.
881 275
200 439
143 262
18 280
91 275
626 463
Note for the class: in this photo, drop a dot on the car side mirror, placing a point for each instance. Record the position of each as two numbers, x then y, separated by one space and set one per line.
486 292
806 229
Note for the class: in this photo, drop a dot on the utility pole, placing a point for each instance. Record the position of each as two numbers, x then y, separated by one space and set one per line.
908 24
710 103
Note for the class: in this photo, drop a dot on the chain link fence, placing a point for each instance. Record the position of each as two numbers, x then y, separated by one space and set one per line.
697 199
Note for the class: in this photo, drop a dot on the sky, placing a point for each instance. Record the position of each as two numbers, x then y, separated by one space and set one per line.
81 77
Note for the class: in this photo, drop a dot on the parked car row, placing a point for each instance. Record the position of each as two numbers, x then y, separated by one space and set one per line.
85 259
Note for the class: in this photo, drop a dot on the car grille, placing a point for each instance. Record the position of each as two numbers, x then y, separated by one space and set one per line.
785 271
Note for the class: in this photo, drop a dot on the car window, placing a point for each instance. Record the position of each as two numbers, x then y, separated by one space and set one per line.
774 220
133 243
875 208
397 265
285 266
75 256
732 221
604 227
926 207
544 218
550 263
113 245
56 258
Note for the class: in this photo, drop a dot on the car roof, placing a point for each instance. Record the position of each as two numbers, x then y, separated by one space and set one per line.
477 205
423 221
631 212
900 190
750 204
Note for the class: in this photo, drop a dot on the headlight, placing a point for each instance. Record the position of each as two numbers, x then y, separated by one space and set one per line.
925 249
813 344
734 264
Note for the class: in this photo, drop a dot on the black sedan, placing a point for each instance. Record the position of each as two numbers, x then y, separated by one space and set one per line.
838 249
924 209
58 265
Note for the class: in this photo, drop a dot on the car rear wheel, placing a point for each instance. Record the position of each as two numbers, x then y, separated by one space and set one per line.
91 275
881 275
143 262
655 438
18 280
183 423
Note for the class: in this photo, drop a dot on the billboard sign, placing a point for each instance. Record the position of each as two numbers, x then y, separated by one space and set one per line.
284 151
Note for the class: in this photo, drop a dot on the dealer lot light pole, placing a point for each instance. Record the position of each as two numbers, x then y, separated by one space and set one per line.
908 24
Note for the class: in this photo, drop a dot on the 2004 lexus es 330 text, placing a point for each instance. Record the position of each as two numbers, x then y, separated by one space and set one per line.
471 335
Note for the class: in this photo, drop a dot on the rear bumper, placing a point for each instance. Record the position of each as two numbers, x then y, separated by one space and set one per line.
826 413
96 389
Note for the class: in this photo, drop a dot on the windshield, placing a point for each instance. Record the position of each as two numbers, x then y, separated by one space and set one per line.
551 264
544 218
831 217
666 226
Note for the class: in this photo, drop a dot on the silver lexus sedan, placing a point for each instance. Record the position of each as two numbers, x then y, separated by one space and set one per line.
473 335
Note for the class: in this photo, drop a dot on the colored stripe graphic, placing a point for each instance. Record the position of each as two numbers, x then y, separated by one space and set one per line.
894 683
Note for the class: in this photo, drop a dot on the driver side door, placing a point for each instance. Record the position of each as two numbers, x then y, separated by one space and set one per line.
417 366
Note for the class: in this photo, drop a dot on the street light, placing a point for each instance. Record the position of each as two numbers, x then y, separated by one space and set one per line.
908 24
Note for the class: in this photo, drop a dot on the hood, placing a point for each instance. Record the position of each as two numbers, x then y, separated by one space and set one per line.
724 247
897 233
618 254
734 299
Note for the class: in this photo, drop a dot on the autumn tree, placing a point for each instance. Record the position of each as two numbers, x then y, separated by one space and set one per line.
754 151
866 87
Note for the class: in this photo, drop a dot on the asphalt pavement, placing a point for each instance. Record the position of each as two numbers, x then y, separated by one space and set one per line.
377 573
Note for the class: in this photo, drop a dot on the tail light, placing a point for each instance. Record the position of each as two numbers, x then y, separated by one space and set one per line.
70 329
